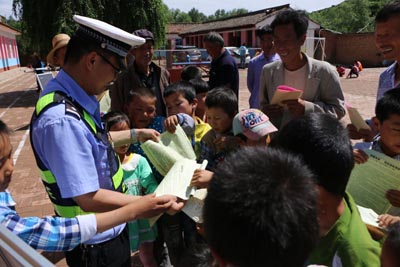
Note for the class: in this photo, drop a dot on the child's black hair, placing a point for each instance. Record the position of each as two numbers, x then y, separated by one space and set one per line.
114 117
141 91
190 72
184 88
200 86
388 105
224 98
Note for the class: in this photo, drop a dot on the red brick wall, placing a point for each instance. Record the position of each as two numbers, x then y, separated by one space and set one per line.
345 48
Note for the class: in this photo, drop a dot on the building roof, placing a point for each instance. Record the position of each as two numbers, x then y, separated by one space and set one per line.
7 28
177 28
244 20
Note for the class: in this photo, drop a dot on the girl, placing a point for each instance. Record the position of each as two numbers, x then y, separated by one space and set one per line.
139 180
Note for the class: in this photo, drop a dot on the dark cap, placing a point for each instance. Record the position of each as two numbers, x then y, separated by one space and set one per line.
146 34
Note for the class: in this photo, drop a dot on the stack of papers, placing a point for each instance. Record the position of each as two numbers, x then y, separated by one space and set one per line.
177 183
170 148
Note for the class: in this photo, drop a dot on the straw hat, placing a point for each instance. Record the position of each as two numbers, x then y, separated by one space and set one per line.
59 41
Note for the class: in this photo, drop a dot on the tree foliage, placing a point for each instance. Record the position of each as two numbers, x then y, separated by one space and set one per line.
42 19
350 16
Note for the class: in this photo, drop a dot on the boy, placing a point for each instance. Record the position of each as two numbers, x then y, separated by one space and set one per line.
324 145
387 120
201 87
254 127
56 233
180 97
261 210
221 108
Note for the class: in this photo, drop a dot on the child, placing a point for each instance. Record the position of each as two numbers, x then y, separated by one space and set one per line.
391 247
55 233
201 87
138 179
324 146
261 210
141 111
387 119
253 127
180 97
221 108
190 72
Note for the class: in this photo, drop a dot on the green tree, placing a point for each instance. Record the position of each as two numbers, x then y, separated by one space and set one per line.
349 16
42 19
196 16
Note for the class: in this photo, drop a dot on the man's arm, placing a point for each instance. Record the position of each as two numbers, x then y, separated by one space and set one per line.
250 76
331 98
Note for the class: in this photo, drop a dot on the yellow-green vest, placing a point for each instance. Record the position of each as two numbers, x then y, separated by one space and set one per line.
67 207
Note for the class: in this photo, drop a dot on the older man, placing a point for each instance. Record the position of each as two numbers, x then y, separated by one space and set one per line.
143 72
318 80
224 71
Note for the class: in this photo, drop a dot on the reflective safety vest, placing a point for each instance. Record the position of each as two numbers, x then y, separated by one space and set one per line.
67 207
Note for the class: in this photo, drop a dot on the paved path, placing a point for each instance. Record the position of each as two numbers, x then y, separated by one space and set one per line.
17 99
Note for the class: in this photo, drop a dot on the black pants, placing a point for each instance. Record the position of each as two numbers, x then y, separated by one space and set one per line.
113 253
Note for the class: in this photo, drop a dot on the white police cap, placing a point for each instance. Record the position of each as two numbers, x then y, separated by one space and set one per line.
109 37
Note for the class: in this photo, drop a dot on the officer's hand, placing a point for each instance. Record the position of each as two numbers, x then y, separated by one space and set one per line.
147 134
149 205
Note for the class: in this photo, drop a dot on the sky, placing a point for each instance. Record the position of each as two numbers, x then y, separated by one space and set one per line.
209 7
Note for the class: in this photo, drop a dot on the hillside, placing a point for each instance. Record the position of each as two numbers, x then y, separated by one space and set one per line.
349 16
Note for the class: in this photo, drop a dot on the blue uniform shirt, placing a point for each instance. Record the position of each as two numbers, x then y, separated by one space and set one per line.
69 149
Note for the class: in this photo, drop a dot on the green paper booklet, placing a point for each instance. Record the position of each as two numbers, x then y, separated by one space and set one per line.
369 182
177 183
169 149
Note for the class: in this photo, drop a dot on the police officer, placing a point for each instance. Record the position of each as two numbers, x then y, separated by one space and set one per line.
75 158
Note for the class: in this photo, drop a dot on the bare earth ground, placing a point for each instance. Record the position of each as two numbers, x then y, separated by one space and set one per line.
17 99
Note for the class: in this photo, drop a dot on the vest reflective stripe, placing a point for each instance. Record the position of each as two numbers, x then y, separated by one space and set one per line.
69 211
43 102
90 121
67 207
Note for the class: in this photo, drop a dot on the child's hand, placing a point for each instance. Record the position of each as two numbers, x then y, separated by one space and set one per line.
201 178
385 220
170 123
365 134
360 156
394 197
